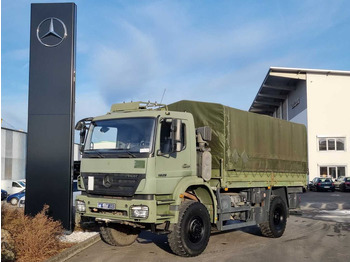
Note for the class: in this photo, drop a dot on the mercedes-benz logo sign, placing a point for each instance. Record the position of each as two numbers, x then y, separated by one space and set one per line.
51 32
107 181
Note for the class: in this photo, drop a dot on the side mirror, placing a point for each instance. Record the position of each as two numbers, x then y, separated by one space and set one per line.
205 132
176 125
82 137
82 126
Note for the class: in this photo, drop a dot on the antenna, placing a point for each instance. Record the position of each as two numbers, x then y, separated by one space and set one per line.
163 95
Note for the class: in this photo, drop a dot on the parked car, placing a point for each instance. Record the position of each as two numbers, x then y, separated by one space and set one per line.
76 191
3 194
322 184
342 183
309 185
14 198
12 186
21 201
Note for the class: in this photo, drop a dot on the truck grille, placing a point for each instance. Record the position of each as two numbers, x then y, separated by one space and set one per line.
112 184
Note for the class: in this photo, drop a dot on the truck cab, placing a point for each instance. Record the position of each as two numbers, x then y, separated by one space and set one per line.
133 160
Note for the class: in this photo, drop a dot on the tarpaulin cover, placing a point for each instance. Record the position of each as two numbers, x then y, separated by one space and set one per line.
248 141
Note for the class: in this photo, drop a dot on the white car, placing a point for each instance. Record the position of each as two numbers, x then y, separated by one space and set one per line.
13 187
21 201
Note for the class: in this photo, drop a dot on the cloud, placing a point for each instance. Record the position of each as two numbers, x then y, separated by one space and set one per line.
123 73
186 59
90 104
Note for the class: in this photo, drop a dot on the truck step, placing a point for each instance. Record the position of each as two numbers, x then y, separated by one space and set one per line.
234 209
237 225
165 202
165 216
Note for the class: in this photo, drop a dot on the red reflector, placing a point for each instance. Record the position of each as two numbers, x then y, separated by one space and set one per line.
332 184
318 184
348 183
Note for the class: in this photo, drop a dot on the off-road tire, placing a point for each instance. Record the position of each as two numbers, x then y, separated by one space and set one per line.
277 219
118 235
191 234
14 201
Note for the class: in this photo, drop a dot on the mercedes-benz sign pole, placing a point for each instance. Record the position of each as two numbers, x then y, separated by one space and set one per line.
51 111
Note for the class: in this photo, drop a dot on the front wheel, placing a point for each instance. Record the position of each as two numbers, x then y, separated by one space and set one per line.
191 234
277 219
14 201
118 235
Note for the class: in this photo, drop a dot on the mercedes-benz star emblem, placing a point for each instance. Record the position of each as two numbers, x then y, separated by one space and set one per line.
51 32
107 181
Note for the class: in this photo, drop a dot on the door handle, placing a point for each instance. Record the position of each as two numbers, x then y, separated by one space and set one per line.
186 166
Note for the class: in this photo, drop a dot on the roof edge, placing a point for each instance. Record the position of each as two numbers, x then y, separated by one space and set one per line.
306 70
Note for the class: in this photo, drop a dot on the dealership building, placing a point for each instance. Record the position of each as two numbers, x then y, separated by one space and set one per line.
319 99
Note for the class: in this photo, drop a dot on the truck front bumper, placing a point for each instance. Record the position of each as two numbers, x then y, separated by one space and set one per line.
118 210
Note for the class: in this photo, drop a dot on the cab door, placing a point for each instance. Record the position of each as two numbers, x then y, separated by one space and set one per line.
172 164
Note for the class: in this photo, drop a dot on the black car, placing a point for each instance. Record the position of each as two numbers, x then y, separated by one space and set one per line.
322 184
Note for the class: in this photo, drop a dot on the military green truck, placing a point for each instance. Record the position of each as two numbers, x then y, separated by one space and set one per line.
186 170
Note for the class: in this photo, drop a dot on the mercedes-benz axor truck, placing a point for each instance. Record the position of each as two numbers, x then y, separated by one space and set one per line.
186 170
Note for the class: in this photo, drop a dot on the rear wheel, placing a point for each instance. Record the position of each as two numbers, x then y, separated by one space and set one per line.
277 220
118 235
191 234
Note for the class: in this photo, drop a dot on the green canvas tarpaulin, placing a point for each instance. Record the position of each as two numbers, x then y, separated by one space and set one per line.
249 142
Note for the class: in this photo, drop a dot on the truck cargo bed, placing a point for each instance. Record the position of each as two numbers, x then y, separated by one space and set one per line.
250 149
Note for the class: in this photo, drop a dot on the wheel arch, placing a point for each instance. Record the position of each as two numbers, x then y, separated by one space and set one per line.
282 193
201 190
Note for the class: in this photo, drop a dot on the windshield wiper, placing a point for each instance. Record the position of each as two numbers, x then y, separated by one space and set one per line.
130 154
91 153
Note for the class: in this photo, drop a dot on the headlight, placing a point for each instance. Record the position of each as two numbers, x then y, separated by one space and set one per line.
80 206
139 211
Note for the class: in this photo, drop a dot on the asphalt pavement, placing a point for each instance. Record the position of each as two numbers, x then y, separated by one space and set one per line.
320 233
327 206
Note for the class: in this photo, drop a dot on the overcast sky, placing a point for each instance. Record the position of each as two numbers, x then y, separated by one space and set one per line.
214 51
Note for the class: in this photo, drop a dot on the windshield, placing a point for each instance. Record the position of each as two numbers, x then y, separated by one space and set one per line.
132 135
325 180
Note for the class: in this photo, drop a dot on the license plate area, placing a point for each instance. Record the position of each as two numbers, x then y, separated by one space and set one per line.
108 206
327 187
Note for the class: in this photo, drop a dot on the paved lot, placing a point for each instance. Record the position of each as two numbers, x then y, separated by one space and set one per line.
328 206
322 233
325 200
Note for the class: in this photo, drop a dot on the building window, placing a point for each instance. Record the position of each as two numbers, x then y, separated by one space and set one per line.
331 144
332 171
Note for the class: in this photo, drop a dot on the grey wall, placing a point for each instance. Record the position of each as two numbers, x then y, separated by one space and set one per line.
298 99
13 154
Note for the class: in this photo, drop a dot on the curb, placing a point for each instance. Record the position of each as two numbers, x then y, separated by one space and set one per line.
72 251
